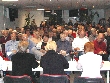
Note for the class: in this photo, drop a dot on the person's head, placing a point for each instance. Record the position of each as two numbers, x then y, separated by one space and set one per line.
20 36
17 29
45 37
5 33
100 37
51 46
108 31
65 32
82 34
13 36
89 47
70 31
24 37
22 46
27 31
93 31
50 34
62 36
36 34
59 29
22 30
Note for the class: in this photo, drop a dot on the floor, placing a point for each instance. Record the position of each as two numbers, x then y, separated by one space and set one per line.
76 74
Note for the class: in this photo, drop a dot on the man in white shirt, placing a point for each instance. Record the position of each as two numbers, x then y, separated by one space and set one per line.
78 43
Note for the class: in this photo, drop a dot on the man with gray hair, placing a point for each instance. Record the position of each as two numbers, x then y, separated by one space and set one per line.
93 35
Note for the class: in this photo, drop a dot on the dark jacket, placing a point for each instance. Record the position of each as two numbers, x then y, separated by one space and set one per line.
22 63
53 63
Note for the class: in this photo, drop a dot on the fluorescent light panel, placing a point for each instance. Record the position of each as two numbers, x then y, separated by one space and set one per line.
9 0
40 9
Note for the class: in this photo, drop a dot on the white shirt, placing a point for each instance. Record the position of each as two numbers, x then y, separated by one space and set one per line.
79 42
90 63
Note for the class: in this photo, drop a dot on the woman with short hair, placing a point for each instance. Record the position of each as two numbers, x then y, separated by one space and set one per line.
89 62
52 62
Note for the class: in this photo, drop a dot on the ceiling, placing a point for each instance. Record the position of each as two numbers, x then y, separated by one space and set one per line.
58 4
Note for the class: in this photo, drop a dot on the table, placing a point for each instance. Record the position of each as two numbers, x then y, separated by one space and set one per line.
7 66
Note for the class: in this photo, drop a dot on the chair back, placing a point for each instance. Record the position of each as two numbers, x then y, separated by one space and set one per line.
17 79
88 80
46 78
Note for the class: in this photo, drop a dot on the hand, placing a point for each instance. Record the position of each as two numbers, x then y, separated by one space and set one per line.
63 52
14 51
104 52
101 52
43 51
76 49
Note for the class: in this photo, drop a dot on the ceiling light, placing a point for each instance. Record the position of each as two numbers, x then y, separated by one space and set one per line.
9 0
50 0
40 9
47 11
93 6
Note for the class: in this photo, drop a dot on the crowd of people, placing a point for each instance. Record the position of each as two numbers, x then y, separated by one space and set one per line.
54 45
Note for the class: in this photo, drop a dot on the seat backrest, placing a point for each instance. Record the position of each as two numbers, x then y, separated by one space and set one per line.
17 79
54 78
88 80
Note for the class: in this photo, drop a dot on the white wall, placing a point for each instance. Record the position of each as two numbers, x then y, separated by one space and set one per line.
38 16
101 15
1 17
19 22
107 14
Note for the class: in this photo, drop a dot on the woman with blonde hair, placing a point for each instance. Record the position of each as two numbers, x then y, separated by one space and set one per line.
52 62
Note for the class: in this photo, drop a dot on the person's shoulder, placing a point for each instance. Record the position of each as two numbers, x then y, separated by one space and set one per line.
9 41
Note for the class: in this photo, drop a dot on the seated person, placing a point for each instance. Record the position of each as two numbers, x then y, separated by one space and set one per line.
23 62
64 47
78 43
31 44
100 46
89 62
39 49
52 62
11 46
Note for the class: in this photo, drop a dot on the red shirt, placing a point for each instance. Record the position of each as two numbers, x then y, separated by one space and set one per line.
99 46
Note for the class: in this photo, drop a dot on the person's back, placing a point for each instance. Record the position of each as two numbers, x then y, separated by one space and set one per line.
53 63
91 64
22 63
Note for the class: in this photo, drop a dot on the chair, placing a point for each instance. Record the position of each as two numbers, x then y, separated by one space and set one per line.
88 80
46 78
17 79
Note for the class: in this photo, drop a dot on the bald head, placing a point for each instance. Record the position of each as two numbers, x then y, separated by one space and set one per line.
100 37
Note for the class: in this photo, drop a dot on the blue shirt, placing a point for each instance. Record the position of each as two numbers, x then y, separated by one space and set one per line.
11 45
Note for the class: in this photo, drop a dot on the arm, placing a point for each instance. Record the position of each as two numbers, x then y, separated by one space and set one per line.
35 63
65 62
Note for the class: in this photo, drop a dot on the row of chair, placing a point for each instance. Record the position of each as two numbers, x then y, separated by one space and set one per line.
45 78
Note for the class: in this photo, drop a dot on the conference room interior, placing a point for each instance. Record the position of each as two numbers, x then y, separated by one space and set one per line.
46 16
